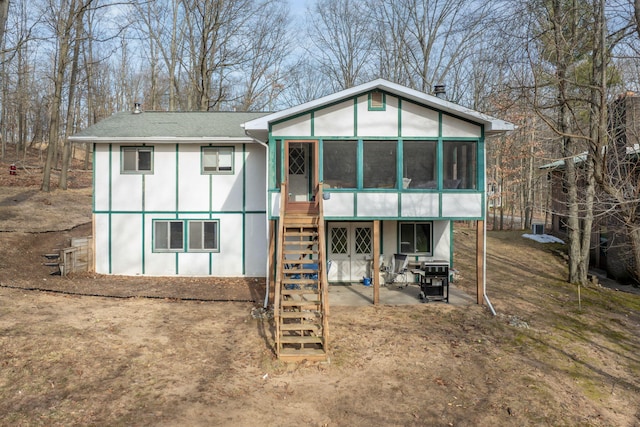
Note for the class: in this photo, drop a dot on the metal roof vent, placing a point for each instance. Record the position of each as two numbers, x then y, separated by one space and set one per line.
136 108
440 91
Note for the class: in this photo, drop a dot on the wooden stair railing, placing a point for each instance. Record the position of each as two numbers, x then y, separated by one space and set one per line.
300 306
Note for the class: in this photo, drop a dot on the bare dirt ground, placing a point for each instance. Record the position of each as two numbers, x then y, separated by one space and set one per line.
186 357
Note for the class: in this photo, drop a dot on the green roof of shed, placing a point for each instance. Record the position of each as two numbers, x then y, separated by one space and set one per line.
168 126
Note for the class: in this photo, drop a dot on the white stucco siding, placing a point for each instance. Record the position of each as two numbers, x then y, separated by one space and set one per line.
372 124
441 241
297 126
101 242
336 120
339 204
454 127
420 205
377 205
228 262
160 187
101 177
255 173
126 244
418 121
464 205
256 246
193 186
126 190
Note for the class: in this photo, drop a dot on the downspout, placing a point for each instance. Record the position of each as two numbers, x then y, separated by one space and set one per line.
484 241
266 160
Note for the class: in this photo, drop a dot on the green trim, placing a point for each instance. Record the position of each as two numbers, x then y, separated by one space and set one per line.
312 124
360 165
243 232
451 244
355 116
178 213
177 179
143 240
110 207
399 117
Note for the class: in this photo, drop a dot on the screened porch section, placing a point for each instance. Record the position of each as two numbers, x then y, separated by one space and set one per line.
406 164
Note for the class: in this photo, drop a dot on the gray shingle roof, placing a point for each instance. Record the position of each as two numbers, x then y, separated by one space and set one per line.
168 125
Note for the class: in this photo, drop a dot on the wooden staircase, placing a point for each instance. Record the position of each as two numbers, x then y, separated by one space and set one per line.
301 297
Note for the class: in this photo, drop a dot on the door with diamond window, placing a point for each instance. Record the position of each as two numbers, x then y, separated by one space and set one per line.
350 250
301 170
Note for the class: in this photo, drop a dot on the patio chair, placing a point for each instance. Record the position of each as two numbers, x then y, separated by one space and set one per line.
398 268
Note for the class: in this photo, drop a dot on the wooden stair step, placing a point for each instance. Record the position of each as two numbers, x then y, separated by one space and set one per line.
301 251
299 303
286 339
296 233
309 354
291 262
300 271
312 327
289 292
299 315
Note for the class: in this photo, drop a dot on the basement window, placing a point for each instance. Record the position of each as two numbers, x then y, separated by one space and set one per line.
136 160
217 160
203 236
416 238
168 236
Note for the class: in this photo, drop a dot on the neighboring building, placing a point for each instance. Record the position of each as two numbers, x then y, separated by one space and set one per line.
610 248
368 172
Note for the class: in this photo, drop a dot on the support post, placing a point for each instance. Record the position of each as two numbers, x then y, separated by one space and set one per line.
480 261
375 270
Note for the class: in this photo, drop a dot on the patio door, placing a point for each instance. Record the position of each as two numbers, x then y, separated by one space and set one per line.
350 250
302 170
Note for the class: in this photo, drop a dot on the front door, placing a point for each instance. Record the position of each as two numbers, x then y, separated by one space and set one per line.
350 250
301 169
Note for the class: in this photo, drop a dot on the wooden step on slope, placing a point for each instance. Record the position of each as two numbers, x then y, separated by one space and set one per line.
300 313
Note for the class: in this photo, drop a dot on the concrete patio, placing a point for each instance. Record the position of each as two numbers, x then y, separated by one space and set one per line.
356 294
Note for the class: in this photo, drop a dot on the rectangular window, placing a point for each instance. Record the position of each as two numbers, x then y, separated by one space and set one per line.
168 236
416 238
217 160
203 236
377 101
380 164
339 164
137 160
459 168
419 168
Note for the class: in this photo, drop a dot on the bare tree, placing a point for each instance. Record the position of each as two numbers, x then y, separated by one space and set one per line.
4 13
340 32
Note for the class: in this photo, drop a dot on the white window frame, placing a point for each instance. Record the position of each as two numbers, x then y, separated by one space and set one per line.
214 167
201 247
136 151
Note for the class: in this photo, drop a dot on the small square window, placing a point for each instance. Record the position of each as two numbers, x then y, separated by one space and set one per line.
168 236
376 101
217 160
137 160
416 238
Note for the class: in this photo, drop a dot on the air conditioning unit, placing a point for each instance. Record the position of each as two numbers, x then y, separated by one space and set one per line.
537 228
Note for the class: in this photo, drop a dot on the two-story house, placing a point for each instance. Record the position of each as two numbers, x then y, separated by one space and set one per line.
345 181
